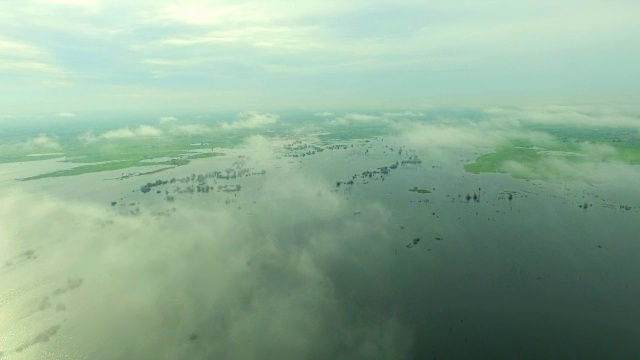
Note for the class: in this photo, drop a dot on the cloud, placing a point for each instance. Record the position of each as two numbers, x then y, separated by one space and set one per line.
404 114
66 115
603 115
252 120
205 282
190 129
41 142
318 54
499 129
26 58
126 133
167 119
456 135
588 169
19 49
357 118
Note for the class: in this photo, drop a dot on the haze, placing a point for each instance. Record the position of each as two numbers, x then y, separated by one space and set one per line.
67 56
319 180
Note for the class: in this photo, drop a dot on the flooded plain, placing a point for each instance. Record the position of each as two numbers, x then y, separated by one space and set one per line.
318 249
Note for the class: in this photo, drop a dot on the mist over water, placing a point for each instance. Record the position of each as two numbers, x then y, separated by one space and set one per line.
287 264
278 179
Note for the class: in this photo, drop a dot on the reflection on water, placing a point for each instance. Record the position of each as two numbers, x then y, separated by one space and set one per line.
321 256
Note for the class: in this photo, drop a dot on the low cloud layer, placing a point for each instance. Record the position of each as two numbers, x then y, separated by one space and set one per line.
41 142
126 133
597 115
167 119
252 120
189 129
484 134
202 283
357 118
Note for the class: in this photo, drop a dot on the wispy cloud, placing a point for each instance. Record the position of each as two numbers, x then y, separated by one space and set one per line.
127 133
167 119
597 115
252 120
278 289
190 129
16 55
319 53
357 118
9 48
41 142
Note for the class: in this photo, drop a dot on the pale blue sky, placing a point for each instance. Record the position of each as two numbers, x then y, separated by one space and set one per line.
91 55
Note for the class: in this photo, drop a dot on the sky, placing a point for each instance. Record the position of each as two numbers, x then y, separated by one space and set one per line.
69 56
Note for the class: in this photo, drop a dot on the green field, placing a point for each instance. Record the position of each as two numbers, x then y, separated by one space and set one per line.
107 155
121 164
572 149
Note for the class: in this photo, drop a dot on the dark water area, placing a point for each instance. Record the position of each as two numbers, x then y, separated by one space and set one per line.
524 271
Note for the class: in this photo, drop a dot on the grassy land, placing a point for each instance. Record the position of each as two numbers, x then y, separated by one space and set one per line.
117 154
355 132
85 169
494 162
11 157
121 164
572 149
204 155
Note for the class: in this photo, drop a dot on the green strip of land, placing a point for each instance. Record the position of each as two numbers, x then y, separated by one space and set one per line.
420 191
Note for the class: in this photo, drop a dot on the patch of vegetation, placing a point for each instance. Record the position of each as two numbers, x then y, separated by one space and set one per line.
85 169
204 155
353 132
494 162
13 157
420 191
107 155
573 147
119 165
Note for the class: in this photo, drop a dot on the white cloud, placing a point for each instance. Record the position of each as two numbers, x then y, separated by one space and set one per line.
357 118
18 49
447 136
266 37
41 142
190 129
167 119
66 115
422 51
30 66
25 58
88 137
252 120
460 134
602 115
590 170
201 283
404 114
126 133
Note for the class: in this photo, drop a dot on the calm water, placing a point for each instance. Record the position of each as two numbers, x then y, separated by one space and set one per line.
293 265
